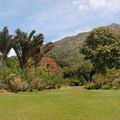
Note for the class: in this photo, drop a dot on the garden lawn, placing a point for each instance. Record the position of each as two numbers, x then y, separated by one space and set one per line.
63 104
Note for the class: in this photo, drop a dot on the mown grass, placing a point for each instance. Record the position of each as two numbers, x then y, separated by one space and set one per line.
63 104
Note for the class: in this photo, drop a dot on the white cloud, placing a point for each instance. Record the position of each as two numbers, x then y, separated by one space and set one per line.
106 5
83 7
96 4
58 18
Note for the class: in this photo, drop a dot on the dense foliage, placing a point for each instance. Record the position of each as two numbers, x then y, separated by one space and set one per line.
25 72
102 48
5 44
78 74
98 68
29 46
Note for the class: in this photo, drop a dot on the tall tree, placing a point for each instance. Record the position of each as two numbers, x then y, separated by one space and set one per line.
29 46
5 44
102 48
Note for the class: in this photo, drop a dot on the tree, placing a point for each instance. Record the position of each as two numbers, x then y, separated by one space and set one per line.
5 44
102 48
29 46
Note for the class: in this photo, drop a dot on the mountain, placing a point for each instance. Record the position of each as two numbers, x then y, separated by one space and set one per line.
115 27
67 49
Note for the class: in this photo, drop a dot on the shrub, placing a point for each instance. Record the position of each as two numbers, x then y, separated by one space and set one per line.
14 83
99 79
92 85
78 74
106 87
5 74
110 80
116 82
77 81
113 76
24 86
74 82
115 87
51 80
37 84
2 85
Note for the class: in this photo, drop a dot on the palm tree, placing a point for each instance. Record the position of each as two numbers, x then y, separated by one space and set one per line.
5 44
29 46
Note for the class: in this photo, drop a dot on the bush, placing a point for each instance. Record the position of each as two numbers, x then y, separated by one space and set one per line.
92 85
78 74
74 82
15 83
106 87
5 72
99 79
113 76
50 80
115 87
110 80
37 84
24 86
77 81
53 81
2 85
116 83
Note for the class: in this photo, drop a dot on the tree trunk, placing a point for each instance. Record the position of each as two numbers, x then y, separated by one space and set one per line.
1 61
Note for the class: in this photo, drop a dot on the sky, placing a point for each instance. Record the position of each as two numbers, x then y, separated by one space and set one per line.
58 18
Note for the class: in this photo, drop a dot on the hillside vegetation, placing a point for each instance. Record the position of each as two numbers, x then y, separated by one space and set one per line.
88 59
67 49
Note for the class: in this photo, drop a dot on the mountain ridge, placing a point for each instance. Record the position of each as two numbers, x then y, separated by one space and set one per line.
67 49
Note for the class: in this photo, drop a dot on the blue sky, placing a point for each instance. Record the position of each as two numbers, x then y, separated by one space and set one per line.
58 18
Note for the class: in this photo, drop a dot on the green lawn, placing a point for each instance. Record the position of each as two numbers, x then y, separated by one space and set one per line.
63 104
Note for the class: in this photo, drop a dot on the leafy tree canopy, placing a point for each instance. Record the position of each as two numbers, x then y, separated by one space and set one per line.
102 48
29 46
5 44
